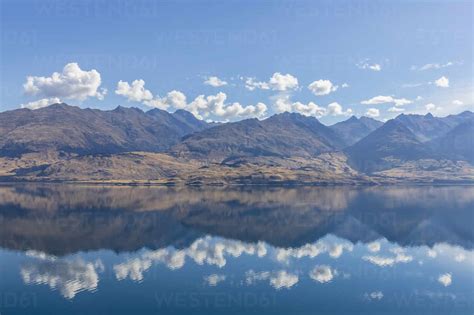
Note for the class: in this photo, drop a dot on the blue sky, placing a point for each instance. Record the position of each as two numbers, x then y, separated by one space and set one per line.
329 59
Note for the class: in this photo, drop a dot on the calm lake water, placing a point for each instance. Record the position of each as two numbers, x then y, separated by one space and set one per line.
69 249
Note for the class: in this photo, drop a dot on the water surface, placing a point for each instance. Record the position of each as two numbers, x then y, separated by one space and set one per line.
69 249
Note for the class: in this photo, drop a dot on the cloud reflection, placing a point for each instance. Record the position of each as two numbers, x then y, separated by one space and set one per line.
322 274
68 277
277 279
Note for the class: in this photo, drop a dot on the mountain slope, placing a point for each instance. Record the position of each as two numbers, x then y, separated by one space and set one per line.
457 144
89 131
427 127
354 129
386 147
281 135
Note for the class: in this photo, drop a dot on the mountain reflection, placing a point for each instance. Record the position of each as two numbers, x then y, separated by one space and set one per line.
379 242
64 219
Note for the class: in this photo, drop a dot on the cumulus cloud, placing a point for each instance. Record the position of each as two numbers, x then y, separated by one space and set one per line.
202 106
445 279
387 261
432 253
372 112
68 277
214 279
460 257
72 83
283 103
251 277
283 82
334 249
366 65
174 99
203 251
251 84
432 107
322 274
457 102
132 269
277 279
283 279
134 92
335 109
41 103
395 109
214 81
442 82
374 247
322 87
384 99
278 82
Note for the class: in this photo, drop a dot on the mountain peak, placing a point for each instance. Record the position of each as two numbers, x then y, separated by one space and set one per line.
123 109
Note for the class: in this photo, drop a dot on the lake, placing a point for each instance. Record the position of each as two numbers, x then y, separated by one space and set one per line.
73 249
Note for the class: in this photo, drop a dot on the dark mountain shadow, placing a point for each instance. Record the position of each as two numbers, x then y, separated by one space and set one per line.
63 219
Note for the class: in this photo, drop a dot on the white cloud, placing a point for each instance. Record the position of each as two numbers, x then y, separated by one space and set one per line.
457 102
278 279
432 107
41 103
71 83
322 274
251 277
322 87
251 84
135 92
214 279
68 277
283 279
202 106
132 269
344 85
384 99
374 247
372 112
430 66
445 279
214 81
278 82
442 82
284 104
334 249
432 253
203 251
384 261
395 109
174 99
460 257
369 66
283 82
335 109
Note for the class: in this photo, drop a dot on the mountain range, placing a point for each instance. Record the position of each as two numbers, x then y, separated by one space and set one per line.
63 142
